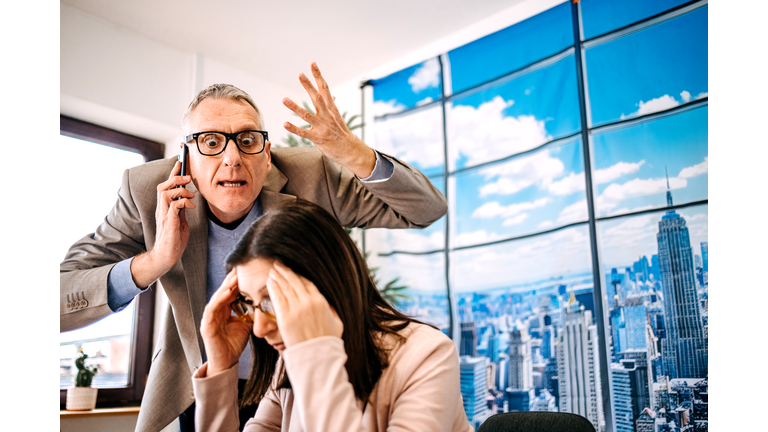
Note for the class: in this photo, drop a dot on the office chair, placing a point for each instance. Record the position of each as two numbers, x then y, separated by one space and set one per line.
536 421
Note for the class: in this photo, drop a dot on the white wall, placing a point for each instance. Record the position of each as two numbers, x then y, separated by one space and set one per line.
123 80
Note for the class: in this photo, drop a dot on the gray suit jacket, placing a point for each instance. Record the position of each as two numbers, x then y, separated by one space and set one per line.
406 200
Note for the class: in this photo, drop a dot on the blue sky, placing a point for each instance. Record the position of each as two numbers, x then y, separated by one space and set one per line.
634 161
526 194
601 16
651 70
514 116
409 87
512 48
644 72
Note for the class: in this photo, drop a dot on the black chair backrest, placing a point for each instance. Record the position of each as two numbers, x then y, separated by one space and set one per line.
536 421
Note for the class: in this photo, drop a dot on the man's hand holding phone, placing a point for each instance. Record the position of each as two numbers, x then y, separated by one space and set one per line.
172 233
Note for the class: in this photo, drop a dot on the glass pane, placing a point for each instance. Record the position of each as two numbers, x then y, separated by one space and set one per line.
601 16
512 48
652 70
410 87
526 313
526 194
655 278
415 137
428 239
94 173
425 296
637 165
515 116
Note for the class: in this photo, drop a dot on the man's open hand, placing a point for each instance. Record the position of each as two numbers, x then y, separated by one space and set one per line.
329 131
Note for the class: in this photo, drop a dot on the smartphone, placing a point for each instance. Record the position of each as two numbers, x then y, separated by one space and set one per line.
183 159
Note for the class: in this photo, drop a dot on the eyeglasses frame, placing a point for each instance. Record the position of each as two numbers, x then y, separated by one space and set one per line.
229 136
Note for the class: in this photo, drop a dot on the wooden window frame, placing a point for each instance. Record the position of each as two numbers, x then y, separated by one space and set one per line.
144 315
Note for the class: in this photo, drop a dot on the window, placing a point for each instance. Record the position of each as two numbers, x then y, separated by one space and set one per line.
119 344
571 269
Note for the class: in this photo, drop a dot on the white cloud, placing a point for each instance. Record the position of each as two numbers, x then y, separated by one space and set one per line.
615 171
568 185
494 209
415 137
658 104
702 95
549 255
484 133
424 101
515 220
615 193
539 168
381 108
426 76
545 224
575 182
685 95
695 170
474 237
573 213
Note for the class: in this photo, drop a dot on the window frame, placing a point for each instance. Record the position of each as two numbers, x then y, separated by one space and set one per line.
144 313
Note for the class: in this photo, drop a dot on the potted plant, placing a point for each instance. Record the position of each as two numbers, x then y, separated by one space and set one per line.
82 397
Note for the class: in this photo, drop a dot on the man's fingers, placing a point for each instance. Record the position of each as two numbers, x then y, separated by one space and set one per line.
304 133
318 100
172 194
325 90
301 112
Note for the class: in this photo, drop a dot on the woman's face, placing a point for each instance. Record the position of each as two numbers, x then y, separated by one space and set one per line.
252 281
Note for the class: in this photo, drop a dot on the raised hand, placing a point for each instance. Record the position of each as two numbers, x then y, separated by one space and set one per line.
224 335
329 131
172 230
302 312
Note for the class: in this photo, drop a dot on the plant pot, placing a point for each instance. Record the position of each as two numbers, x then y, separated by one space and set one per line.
81 398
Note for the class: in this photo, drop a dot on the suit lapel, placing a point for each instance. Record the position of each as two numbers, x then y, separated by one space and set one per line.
194 262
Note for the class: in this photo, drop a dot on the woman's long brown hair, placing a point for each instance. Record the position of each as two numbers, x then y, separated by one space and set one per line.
307 239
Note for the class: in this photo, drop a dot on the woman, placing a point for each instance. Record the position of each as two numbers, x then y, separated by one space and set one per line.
330 354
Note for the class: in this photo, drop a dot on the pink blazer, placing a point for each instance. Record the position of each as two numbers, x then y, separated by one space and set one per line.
419 391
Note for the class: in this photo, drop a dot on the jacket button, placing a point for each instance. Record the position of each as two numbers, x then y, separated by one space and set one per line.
84 303
191 395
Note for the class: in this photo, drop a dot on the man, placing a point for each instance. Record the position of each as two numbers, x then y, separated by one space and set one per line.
180 235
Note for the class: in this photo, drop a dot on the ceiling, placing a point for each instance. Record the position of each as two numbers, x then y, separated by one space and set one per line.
275 40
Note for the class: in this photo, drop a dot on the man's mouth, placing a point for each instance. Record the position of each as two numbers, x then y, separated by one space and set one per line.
231 183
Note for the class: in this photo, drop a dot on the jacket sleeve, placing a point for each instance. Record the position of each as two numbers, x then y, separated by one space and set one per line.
407 199
423 388
83 275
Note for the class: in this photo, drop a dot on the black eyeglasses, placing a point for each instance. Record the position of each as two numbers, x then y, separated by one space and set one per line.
211 143
244 309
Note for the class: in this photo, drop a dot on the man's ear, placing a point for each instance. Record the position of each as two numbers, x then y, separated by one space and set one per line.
268 152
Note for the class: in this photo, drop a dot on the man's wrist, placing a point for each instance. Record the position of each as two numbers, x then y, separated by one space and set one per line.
144 270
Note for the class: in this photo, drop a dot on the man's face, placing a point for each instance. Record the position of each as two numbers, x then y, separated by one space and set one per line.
232 180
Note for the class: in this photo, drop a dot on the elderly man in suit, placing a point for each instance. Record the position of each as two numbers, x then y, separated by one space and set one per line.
178 229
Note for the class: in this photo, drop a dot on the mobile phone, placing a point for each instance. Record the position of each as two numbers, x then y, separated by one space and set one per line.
183 159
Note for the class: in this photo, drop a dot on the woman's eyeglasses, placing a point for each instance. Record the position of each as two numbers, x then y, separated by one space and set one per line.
244 308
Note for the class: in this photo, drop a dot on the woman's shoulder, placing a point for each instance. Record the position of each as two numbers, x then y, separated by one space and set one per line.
421 341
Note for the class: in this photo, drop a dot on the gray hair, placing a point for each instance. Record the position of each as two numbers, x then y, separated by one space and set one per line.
221 91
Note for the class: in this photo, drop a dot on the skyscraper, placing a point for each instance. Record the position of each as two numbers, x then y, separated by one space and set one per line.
473 388
684 350
578 366
621 394
705 255
520 362
468 345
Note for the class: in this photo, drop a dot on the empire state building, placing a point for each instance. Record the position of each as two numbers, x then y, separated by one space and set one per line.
684 349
